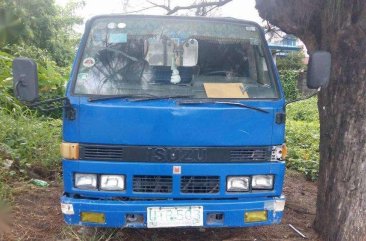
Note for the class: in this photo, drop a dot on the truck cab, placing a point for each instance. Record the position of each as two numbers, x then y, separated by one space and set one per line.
173 122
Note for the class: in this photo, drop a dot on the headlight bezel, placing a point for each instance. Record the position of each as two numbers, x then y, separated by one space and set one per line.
236 190
110 189
94 184
258 187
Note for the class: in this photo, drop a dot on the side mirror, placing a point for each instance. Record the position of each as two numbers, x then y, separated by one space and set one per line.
319 69
25 79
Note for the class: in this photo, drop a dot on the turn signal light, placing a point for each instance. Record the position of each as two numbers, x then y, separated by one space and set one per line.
284 152
70 150
255 216
279 153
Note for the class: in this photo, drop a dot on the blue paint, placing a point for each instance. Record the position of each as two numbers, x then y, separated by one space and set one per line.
166 123
175 125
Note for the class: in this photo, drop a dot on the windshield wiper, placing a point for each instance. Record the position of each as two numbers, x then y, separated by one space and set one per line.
138 97
147 97
111 97
161 97
197 102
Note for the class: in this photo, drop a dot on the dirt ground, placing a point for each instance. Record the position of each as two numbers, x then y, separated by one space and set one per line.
36 215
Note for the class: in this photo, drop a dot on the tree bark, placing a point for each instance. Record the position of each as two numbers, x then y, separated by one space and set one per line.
338 26
341 205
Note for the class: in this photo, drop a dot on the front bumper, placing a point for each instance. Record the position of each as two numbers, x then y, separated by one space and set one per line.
232 210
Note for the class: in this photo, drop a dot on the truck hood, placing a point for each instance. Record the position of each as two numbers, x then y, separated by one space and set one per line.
165 123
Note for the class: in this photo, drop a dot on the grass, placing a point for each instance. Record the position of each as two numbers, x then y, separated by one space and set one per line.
31 140
31 144
108 234
5 192
88 234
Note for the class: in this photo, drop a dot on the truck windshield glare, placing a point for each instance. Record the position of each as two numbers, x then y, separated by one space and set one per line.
179 57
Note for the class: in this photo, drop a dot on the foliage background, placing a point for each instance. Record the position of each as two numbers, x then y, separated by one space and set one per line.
302 124
46 26
302 137
290 69
29 140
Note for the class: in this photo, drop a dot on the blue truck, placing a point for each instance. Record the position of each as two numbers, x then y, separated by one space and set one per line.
171 122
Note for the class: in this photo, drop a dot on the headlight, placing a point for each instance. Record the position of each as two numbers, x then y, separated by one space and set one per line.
262 182
86 181
237 184
112 182
279 153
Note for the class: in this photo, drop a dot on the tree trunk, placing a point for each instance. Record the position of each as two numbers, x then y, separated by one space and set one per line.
341 205
338 26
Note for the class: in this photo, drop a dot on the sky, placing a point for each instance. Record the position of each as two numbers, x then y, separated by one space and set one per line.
241 9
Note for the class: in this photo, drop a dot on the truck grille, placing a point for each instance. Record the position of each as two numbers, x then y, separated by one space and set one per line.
152 184
174 154
164 184
200 184
250 154
96 152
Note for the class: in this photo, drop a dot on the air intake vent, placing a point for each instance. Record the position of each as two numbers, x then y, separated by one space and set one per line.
152 184
200 184
251 154
95 152
170 154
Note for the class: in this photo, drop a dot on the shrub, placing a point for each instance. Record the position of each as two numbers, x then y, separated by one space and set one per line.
289 68
302 137
289 83
293 61
33 140
305 110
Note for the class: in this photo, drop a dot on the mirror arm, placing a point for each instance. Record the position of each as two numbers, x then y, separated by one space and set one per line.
304 98
69 110
51 104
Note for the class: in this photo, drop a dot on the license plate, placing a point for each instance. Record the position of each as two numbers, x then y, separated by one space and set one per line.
163 217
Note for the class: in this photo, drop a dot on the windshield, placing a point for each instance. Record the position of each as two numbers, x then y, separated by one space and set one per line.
176 57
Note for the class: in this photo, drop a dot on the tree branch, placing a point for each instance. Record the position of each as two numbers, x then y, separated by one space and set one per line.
171 11
281 13
211 9
140 10
271 31
167 8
